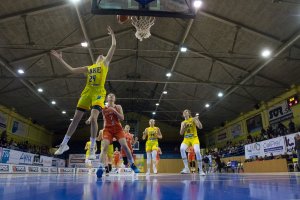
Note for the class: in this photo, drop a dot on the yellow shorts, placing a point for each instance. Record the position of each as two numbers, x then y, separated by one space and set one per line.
110 150
191 141
151 146
90 98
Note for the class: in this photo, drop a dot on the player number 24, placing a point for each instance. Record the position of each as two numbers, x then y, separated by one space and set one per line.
92 78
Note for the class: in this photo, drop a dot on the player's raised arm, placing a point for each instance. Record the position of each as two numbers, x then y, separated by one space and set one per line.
112 49
159 135
182 128
78 70
144 134
197 122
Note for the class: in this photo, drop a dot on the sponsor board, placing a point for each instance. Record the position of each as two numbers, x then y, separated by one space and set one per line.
33 169
44 170
276 146
82 170
253 150
17 157
66 170
290 143
53 170
280 112
19 169
5 168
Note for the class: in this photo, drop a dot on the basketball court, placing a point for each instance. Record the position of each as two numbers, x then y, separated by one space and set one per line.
165 186
214 61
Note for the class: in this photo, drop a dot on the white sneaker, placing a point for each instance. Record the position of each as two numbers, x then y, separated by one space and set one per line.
148 173
154 170
185 171
62 148
92 155
202 174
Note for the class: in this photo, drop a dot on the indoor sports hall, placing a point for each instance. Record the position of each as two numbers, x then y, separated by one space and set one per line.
150 99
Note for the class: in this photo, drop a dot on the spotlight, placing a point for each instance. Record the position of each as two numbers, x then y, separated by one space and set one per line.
53 102
165 92
207 105
63 112
84 44
183 49
197 4
21 71
40 90
220 94
266 53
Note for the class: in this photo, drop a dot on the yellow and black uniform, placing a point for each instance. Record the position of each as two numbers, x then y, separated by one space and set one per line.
110 150
190 133
152 141
94 92
88 147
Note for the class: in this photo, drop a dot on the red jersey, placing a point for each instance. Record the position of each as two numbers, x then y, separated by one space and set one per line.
129 139
191 154
111 120
117 155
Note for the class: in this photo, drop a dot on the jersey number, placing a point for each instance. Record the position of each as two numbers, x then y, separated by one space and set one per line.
92 78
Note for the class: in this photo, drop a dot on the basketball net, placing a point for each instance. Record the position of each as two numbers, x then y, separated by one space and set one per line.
142 25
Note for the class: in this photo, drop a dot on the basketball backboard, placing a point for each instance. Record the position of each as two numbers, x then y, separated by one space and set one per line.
156 8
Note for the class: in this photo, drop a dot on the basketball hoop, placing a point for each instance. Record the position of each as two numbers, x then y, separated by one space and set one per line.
142 25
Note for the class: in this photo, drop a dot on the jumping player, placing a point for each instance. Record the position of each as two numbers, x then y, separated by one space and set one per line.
112 114
92 96
110 153
191 159
130 142
153 133
189 130
87 153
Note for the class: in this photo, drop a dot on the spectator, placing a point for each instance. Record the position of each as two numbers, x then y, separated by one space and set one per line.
3 139
292 128
264 133
206 163
218 162
250 138
297 148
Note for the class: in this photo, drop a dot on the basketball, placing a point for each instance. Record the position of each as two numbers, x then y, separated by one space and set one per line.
123 18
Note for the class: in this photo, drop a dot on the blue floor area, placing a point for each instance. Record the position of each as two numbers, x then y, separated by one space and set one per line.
162 186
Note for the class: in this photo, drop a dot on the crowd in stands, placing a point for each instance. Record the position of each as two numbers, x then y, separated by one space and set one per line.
237 149
25 146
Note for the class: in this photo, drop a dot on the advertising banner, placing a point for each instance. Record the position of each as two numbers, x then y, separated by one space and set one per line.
16 157
276 146
280 112
254 123
222 136
253 150
5 168
19 128
236 130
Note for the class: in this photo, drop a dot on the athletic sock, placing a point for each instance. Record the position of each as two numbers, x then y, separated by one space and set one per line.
93 141
185 162
66 139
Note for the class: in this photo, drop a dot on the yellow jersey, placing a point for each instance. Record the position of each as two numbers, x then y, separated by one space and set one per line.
191 129
88 146
152 134
96 76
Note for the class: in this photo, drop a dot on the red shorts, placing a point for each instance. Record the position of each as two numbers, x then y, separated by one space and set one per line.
191 158
123 151
116 161
110 133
